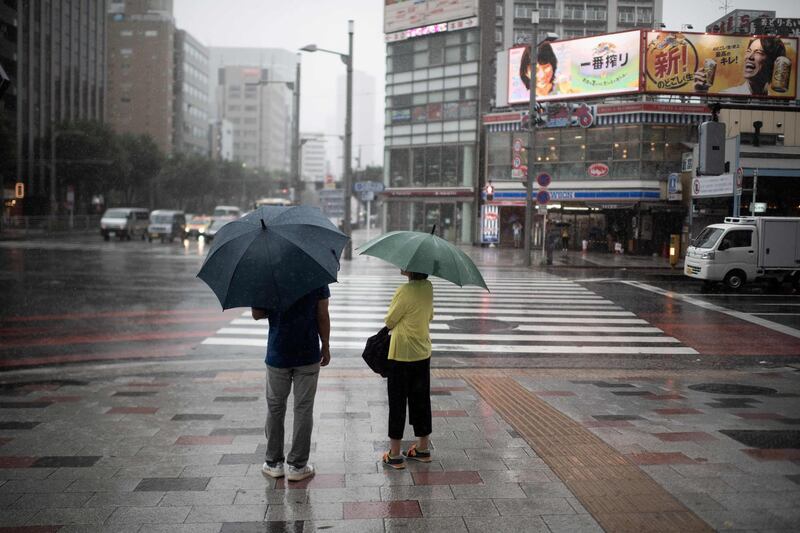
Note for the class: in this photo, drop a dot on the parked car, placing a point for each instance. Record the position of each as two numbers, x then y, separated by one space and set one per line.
196 225
124 222
166 225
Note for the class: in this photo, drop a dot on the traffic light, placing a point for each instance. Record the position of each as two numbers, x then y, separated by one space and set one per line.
489 190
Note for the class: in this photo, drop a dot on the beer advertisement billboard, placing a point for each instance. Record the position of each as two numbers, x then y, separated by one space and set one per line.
577 68
720 65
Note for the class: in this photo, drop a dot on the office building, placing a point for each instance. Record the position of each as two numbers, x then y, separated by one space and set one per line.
191 104
58 78
220 139
141 62
313 159
261 114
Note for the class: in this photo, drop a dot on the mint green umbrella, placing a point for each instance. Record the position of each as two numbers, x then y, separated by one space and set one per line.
414 251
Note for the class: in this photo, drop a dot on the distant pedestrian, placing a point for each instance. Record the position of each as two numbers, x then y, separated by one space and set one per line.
564 238
294 357
409 370
550 242
516 228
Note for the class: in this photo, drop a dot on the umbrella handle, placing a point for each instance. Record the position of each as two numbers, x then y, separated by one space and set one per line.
433 230
338 264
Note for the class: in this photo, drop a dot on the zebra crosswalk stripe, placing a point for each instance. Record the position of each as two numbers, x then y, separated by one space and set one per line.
539 316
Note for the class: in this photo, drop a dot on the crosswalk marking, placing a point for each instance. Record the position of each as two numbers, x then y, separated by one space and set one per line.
526 317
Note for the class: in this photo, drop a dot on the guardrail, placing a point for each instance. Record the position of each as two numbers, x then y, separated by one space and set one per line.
44 224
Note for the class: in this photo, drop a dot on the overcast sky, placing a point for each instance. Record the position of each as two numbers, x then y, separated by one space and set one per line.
291 24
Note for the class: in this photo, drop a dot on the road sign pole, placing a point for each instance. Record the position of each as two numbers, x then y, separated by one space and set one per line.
531 143
369 217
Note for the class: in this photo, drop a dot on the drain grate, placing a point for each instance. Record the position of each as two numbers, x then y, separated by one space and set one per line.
734 389
765 439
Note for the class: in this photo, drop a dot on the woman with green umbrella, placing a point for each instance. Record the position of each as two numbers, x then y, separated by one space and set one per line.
410 313
409 368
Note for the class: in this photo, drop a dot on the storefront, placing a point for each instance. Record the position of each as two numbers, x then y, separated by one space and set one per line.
609 174
449 209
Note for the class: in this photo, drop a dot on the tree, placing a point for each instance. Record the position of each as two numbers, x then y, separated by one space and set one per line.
185 181
143 161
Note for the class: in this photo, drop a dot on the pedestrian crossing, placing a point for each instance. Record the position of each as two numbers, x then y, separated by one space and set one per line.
537 315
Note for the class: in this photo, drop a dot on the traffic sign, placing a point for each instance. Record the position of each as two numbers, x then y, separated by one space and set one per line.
544 179
368 186
542 197
367 196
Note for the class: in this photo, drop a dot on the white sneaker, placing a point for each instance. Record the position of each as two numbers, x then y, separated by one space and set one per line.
297 474
273 471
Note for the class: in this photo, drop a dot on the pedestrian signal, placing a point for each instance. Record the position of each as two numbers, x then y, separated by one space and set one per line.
19 191
489 192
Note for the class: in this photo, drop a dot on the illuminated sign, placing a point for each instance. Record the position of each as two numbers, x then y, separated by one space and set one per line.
577 68
720 65
19 190
432 29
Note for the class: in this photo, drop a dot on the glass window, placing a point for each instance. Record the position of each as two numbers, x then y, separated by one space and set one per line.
499 152
402 63
467 109
449 166
452 55
418 167
436 96
434 112
433 165
399 167
421 60
450 110
420 44
419 113
436 51
419 99
739 238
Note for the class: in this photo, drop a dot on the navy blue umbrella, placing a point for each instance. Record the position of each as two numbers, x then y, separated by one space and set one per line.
272 257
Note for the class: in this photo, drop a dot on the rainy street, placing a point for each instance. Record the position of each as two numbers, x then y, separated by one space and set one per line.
80 299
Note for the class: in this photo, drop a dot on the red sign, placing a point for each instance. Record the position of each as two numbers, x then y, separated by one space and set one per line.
490 215
598 170
502 117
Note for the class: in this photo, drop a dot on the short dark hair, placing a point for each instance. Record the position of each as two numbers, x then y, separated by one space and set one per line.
544 56
774 48
415 276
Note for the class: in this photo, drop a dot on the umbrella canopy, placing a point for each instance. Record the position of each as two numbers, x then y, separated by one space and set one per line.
273 256
414 251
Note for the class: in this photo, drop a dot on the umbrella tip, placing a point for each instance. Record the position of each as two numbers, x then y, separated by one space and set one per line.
433 230
263 226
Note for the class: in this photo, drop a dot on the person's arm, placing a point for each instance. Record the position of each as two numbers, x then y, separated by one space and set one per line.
324 326
396 310
258 313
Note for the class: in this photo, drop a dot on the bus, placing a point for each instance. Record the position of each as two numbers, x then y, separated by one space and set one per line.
284 202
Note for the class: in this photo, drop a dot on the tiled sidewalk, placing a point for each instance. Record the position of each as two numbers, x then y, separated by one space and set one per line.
179 446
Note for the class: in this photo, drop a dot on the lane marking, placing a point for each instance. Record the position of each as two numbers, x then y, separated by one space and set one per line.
774 326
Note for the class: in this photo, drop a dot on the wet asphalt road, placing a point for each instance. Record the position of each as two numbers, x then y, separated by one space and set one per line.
82 299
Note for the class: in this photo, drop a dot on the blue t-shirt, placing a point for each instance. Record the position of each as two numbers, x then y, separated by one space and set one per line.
294 334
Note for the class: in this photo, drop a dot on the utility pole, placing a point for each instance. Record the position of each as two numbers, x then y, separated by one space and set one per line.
348 142
531 144
295 170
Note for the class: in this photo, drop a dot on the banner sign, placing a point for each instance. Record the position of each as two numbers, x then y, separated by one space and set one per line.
577 68
707 186
490 224
775 26
404 14
720 65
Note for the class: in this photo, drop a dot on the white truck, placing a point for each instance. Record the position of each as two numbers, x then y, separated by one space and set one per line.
744 249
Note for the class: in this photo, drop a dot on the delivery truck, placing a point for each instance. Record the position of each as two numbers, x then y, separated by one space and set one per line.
744 249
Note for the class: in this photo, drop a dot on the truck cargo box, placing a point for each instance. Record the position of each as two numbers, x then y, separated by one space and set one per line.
779 243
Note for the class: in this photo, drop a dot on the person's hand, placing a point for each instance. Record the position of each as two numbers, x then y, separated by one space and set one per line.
326 354
258 313
701 81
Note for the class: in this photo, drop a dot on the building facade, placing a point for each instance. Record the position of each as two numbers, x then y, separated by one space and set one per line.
141 63
313 159
59 75
220 140
8 106
191 103
261 114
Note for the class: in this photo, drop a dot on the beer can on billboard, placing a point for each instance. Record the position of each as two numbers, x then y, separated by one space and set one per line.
781 72
710 67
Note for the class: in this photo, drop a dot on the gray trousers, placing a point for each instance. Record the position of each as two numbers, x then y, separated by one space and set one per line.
279 383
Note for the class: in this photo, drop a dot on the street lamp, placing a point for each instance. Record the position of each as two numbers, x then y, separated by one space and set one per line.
347 59
532 141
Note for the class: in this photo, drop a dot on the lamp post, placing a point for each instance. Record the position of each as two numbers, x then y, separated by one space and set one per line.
532 142
347 59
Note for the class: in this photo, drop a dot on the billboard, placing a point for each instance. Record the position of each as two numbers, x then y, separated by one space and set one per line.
720 65
577 68
775 26
404 14
737 21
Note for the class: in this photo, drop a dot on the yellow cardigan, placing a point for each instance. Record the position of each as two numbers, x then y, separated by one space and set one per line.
409 316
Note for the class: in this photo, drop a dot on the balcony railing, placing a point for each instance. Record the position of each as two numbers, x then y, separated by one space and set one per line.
596 15
574 14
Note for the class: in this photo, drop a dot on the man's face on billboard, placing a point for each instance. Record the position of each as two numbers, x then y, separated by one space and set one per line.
754 60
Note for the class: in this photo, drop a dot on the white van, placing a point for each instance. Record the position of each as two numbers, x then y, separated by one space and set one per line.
743 249
228 211
124 222
166 225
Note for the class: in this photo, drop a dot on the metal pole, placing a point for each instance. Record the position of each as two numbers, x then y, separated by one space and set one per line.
755 186
296 135
348 141
53 198
369 217
531 143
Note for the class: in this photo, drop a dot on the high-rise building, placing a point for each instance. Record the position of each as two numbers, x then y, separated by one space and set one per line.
191 105
141 60
440 78
261 114
313 158
58 72
220 139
